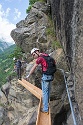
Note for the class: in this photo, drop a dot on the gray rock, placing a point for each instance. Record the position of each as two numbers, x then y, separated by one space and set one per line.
1 115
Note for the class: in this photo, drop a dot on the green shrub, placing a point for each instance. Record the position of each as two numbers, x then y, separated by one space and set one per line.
28 10
17 53
50 31
31 2
56 44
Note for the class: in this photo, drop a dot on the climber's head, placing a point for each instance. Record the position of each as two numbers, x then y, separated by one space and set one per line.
14 59
35 52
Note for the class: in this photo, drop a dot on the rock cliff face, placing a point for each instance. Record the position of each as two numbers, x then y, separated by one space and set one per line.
19 107
31 32
67 16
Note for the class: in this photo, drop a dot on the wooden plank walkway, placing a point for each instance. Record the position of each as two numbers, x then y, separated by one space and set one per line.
42 118
33 89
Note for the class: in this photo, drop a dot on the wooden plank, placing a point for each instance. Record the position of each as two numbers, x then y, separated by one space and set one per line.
33 86
42 118
33 89
49 114
38 114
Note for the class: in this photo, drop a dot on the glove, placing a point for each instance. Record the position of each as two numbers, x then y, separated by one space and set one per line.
27 77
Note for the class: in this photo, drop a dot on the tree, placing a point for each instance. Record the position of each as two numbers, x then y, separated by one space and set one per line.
17 53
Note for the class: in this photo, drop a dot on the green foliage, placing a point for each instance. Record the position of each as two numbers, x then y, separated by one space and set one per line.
4 55
31 2
50 31
56 44
17 53
28 10
43 0
50 28
6 66
7 63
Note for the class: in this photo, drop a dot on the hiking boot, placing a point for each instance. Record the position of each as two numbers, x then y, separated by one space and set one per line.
45 112
19 78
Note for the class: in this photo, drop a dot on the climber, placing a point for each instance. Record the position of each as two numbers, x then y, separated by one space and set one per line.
17 67
46 79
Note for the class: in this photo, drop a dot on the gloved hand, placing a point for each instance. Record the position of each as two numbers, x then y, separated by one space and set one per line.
27 77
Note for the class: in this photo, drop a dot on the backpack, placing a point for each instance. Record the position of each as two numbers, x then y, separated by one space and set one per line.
51 69
18 64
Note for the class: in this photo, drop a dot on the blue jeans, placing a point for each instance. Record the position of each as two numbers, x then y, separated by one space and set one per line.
19 73
46 86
